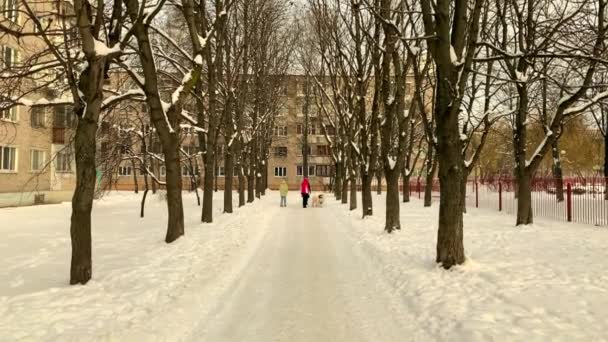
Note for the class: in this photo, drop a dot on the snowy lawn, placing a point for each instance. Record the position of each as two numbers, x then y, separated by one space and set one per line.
142 289
543 282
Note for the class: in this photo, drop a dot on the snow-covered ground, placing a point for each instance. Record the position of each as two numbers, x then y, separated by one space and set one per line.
142 289
544 282
290 274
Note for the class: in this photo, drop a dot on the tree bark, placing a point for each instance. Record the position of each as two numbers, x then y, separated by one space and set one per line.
406 187
392 201
366 194
228 176
450 247
344 190
428 187
136 185
82 202
251 180
338 181
175 225
524 198
557 172
353 192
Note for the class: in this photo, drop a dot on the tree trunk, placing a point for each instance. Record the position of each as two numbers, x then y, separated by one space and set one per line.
228 176
366 194
606 164
136 185
428 187
557 172
338 182
524 199
82 202
175 225
379 180
353 192
392 201
147 187
406 188
450 247
264 178
344 195
208 180
251 183
241 188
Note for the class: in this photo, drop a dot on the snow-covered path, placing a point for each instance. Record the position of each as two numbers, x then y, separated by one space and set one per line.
307 281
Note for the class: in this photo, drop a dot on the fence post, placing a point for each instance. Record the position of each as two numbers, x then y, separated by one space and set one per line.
499 196
476 195
569 202
418 186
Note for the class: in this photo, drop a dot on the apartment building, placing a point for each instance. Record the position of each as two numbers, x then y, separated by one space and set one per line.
286 155
36 162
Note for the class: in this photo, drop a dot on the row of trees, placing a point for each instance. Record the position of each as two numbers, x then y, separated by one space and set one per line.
401 78
143 77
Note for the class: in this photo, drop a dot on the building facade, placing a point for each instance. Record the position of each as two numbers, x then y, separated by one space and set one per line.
36 161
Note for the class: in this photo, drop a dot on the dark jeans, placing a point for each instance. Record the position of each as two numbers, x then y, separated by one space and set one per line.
305 200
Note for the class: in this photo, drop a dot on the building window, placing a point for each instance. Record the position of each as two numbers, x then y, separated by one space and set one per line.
300 169
324 170
330 130
220 171
308 149
64 117
312 128
38 159
124 170
9 114
37 119
105 127
280 131
280 151
9 8
63 161
10 56
280 171
190 150
322 150
8 158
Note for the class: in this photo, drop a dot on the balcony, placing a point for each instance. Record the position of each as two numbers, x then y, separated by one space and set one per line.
59 135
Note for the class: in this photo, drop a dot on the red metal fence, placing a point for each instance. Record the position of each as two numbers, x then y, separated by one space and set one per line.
583 200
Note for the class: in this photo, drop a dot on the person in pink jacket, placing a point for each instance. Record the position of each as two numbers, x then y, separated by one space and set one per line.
305 190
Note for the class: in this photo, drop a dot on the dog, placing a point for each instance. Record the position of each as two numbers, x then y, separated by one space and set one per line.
317 201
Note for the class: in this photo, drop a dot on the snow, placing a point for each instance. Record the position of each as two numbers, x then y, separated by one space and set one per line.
101 49
521 77
539 148
202 41
142 288
267 273
453 55
545 282
391 162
